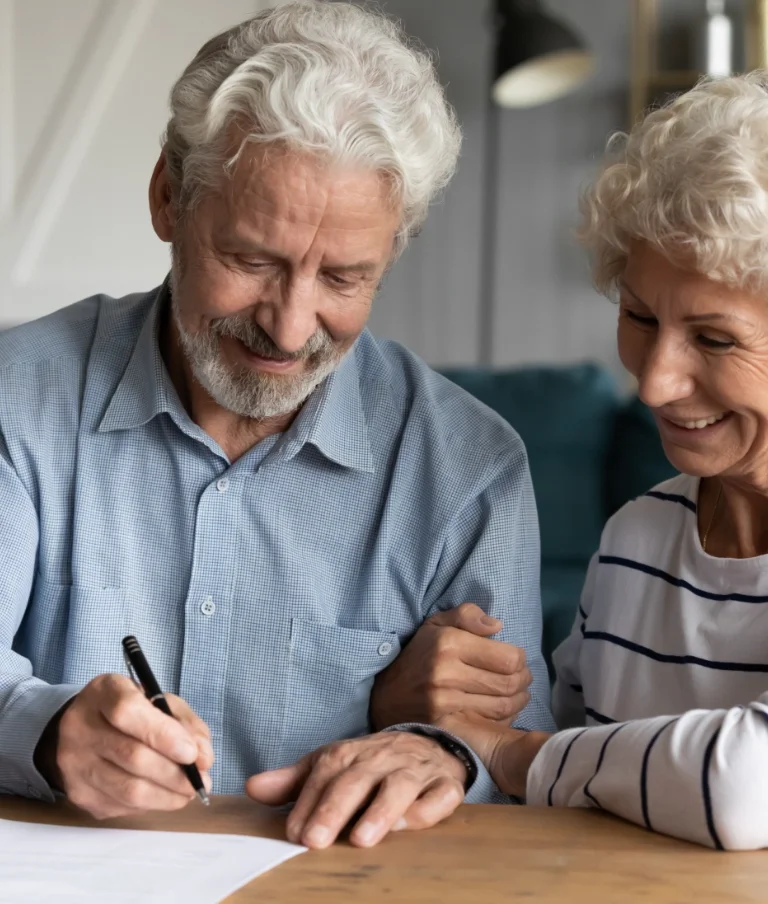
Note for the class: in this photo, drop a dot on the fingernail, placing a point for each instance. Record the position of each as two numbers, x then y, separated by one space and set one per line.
366 832
487 620
400 825
317 836
185 752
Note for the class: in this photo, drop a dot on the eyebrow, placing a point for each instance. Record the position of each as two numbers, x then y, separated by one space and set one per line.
360 267
691 318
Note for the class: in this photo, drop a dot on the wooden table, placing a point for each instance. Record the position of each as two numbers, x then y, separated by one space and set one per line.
482 855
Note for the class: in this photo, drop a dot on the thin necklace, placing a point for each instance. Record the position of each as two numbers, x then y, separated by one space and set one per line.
712 518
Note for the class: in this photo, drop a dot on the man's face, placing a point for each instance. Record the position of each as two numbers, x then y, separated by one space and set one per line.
273 278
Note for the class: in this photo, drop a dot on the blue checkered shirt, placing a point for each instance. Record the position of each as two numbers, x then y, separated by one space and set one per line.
269 592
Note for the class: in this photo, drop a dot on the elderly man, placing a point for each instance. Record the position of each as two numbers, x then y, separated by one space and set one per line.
233 469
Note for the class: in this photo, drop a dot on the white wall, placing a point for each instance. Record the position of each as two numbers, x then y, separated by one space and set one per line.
83 100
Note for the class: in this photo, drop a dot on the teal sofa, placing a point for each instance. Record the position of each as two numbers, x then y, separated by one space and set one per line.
591 449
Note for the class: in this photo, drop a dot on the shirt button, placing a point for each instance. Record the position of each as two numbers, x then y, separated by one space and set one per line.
385 648
208 607
33 792
222 485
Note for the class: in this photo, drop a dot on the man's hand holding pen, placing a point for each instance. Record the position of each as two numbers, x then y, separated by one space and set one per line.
115 754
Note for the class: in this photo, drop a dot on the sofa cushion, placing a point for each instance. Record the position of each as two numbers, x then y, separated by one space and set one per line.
561 587
637 461
565 416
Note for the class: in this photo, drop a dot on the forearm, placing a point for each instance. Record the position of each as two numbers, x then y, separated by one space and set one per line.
698 776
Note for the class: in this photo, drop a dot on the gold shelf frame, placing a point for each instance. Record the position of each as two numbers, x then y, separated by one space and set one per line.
646 77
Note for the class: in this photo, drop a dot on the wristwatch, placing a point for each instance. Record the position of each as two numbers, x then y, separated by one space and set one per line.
453 747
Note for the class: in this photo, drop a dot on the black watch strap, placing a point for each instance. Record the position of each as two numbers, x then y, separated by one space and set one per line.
455 748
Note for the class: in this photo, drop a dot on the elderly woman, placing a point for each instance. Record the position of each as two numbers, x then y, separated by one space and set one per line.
662 687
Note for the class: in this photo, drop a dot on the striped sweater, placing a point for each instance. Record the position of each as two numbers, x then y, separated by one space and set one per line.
665 674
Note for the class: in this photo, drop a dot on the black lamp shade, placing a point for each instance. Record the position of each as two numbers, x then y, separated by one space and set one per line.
538 58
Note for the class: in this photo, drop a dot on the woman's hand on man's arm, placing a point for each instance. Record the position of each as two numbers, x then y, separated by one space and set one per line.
452 664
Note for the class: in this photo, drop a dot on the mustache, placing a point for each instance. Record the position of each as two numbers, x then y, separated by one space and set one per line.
320 345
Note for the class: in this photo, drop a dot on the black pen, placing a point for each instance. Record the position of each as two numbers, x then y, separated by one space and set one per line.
139 670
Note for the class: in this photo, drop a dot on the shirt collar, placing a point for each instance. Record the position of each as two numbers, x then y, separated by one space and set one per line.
144 389
332 419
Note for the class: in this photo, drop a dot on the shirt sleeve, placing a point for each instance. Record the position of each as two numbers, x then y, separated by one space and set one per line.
491 558
26 703
700 776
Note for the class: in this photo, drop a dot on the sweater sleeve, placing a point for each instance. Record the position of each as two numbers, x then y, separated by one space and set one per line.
699 776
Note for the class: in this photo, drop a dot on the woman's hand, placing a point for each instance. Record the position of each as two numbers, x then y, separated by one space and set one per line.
507 753
452 664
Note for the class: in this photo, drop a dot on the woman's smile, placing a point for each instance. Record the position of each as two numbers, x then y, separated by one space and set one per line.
687 430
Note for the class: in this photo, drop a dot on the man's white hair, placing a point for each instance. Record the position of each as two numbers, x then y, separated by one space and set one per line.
691 179
323 77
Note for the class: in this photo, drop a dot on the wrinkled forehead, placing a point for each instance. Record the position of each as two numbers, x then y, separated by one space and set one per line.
303 187
299 206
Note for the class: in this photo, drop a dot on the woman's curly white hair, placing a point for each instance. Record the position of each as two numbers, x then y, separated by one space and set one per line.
691 179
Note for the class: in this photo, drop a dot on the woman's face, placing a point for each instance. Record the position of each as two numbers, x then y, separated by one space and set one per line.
699 351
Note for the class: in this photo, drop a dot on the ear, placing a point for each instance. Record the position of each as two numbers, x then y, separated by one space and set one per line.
161 204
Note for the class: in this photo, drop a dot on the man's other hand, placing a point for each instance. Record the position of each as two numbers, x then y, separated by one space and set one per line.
399 781
452 664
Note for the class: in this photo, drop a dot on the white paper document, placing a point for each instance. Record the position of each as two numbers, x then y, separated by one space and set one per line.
42 864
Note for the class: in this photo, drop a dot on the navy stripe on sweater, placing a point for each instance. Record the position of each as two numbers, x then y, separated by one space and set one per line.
644 773
679 582
673 497
669 657
562 764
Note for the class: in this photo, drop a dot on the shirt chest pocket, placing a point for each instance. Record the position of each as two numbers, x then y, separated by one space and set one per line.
331 671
